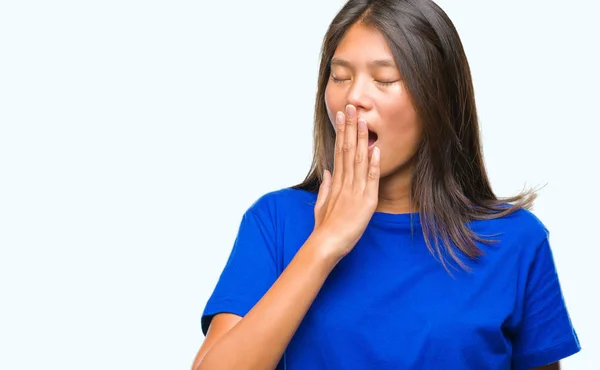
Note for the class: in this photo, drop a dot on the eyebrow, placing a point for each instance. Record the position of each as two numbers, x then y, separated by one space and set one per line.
373 64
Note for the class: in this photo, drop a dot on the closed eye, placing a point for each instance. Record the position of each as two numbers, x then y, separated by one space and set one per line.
382 83
337 80
387 83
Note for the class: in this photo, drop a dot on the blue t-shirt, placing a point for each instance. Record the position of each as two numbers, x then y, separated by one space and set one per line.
389 304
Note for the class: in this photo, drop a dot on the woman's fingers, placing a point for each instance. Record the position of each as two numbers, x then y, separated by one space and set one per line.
352 167
373 174
338 161
361 160
349 147
323 190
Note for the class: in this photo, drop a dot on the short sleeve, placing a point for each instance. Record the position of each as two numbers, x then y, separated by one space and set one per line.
249 272
545 334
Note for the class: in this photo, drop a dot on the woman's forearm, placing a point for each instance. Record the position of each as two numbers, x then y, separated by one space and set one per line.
260 338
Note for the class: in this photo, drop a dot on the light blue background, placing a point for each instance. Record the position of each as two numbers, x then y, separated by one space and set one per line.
133 135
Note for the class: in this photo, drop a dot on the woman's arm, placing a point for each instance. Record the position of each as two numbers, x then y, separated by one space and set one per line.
345 204
258 340
220 324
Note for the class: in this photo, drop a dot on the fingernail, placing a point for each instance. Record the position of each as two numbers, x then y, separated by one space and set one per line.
339 118
362 124
350 110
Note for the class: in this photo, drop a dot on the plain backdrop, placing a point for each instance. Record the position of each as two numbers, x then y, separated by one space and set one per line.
134 134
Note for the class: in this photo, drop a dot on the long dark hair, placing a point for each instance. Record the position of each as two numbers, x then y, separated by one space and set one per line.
449 183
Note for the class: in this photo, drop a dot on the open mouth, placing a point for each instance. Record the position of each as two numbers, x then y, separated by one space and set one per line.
372 138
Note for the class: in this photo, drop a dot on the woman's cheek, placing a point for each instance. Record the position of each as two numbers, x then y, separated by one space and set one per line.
328 105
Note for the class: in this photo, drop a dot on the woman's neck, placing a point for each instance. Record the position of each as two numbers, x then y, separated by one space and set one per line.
394 193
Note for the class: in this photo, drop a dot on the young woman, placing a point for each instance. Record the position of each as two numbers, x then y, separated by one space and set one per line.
401 257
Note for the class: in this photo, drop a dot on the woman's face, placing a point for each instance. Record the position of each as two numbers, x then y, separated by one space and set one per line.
364 74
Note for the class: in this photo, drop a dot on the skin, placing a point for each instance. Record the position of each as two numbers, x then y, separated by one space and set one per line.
364 74
360 94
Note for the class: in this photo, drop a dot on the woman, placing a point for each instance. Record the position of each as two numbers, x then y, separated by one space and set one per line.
402 257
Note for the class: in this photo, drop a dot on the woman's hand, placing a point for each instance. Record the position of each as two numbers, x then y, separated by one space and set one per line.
347 200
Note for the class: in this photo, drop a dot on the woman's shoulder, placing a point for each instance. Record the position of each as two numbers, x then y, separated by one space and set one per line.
282 201
526 219
521 225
